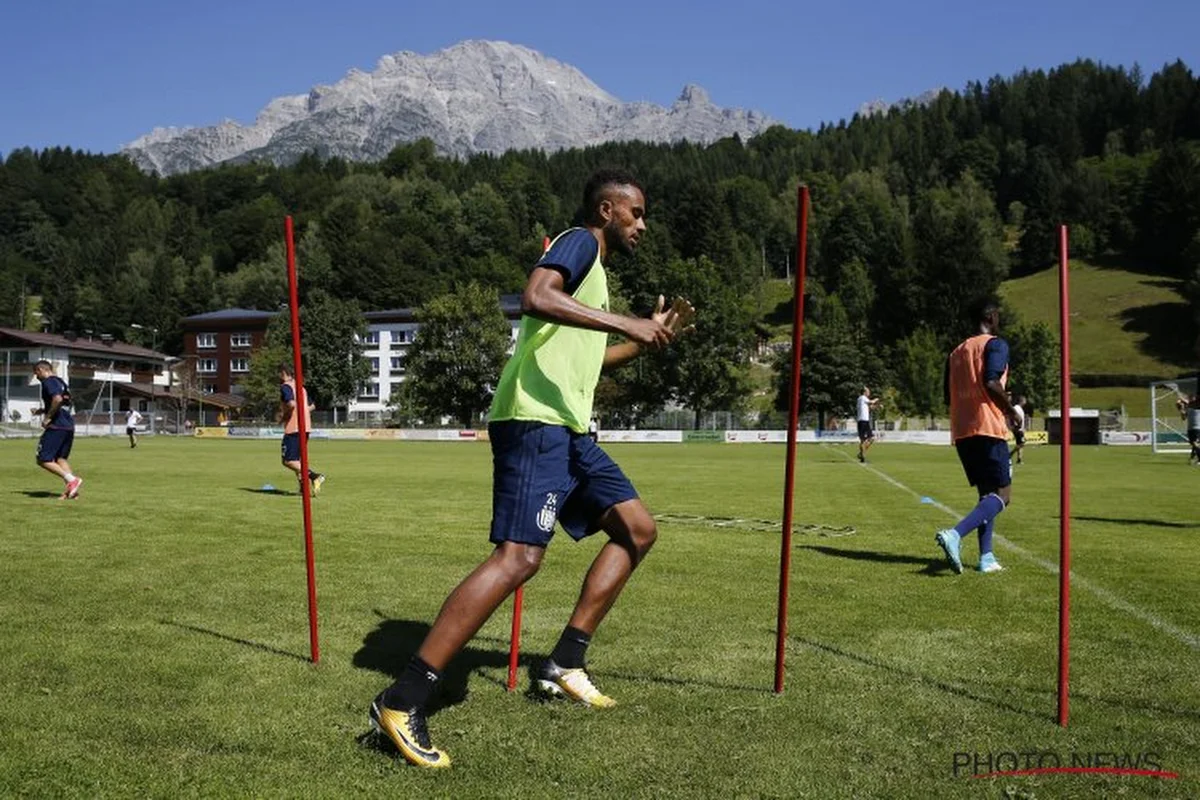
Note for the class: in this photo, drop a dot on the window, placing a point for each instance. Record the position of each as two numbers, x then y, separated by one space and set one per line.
401 337
240 340
239 365
206 341
369 390
210 388
398 365
372 338
206 365
375 366
143 405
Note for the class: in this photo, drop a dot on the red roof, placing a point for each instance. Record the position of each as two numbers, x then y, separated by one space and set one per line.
79 345
221 399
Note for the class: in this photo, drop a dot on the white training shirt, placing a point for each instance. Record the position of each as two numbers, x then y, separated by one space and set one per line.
132 418
864 408
1020 415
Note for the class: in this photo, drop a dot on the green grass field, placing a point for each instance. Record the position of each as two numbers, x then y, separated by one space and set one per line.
155 634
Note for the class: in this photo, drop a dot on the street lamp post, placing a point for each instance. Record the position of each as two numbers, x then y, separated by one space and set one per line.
153 333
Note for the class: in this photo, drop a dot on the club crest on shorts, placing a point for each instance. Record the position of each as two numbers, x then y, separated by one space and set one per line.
549 512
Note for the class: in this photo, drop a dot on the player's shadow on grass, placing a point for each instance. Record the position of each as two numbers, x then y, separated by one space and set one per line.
917 677
271 491
1156 523
389 647
929 566
38 493
1126 703
266 648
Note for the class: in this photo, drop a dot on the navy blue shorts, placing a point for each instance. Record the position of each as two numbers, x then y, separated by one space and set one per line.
864 431
545 473
985 460
291 447
1019 437
54 444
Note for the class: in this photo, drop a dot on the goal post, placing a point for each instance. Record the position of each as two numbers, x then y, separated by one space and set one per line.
1168 428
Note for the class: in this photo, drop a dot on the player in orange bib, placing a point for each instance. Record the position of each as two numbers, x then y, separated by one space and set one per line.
290 408
980 417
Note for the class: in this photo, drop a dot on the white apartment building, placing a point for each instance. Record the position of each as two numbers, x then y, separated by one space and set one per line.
389 335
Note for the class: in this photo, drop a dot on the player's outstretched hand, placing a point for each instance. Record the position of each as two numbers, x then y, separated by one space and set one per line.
650 332
678 318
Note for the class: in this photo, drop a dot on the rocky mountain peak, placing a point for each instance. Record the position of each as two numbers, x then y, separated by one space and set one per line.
476 96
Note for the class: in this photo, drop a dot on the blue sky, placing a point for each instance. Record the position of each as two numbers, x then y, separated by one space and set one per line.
95 74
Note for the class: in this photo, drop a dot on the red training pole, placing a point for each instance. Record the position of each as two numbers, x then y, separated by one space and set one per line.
1064 483
514 646
302 423
514 639
789 481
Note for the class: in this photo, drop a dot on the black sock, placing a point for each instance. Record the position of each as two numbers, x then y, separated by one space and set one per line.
313 475
414 686
573 643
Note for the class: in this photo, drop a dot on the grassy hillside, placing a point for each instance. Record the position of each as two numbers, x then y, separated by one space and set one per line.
1122 322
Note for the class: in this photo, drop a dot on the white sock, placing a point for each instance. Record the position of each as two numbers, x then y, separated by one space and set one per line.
70 477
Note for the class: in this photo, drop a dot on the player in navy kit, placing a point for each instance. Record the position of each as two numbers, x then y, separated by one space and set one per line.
58 429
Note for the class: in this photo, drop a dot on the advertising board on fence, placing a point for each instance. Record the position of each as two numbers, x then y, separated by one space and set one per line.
616 435
641 436
1125 437
917 437
833 435
804 437
764 437
254 432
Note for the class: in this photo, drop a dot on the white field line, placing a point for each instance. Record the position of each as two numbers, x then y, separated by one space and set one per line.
1189 639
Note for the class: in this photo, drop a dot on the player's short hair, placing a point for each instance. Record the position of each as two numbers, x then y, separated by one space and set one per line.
43 363
983 309
286 369
597 186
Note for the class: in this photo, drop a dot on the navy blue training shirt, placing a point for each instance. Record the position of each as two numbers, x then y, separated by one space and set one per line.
572 254
62 419
995 359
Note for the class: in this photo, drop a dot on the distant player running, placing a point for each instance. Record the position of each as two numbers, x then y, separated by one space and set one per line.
291 427
545 467
866 432
980 417
1019 431
58 429
1189 409
132 418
